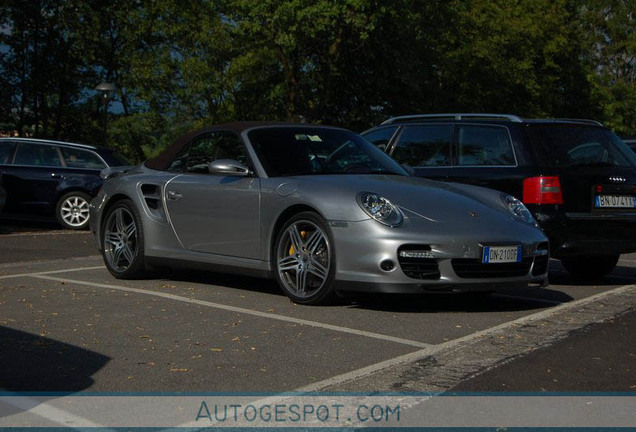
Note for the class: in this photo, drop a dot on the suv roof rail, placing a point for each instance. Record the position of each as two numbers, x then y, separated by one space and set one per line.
577 120
48 141
455 116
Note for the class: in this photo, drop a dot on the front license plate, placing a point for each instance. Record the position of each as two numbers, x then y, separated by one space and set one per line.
615 201
501 254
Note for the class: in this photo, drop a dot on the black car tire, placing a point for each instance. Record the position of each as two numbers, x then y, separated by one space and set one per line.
71 210
589 268
123 241
315 260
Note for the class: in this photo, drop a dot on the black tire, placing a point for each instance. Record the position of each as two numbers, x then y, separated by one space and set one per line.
72 210
122 238
304 259
589 268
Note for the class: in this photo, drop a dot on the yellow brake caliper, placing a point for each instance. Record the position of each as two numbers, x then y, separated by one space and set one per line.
291 248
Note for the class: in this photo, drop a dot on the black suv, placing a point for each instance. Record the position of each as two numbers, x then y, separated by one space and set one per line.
51 178
577 178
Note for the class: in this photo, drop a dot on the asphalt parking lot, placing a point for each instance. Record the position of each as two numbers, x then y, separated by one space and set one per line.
67 325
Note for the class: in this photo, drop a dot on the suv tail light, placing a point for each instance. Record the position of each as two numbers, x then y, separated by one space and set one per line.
542 190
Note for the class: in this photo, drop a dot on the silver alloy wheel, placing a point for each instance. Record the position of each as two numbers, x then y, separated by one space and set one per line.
74 211
303 257
120 239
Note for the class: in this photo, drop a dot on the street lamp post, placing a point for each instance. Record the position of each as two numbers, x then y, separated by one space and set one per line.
106 94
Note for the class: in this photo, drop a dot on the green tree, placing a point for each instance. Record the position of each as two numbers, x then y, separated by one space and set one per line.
45 66
322 60
520 57
352 63
611 60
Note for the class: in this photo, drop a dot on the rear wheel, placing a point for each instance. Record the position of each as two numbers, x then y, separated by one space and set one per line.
305 260
72 210
123 241
590 268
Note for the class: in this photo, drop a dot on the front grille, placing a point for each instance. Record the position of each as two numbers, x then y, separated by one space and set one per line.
470 268
419 268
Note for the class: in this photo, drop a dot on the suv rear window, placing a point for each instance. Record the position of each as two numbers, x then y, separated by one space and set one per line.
484 145
381 137
37 155
114 159
76 158
579 146
424 146
6 150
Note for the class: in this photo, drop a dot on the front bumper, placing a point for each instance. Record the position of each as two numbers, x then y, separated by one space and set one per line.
363 247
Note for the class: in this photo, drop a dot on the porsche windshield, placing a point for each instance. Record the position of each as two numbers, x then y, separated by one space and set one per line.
290 151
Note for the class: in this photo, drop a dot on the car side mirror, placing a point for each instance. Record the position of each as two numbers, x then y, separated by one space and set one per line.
229 167
112 172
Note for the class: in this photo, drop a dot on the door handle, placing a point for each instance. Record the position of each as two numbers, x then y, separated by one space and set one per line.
174 195
58 176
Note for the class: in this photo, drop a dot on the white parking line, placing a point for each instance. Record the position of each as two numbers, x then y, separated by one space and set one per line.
36 406
455 343
19 275
237 310
507 296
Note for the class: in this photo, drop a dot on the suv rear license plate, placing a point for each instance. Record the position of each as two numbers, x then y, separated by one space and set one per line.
615 201
501 254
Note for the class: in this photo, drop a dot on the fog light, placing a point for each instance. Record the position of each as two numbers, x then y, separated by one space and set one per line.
387 265
421 254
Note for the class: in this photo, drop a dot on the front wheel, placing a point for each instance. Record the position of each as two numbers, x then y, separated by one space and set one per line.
590 268
72 211
305 259
123 241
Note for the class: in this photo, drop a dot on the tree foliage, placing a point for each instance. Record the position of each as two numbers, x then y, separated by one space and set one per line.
179 65
611 59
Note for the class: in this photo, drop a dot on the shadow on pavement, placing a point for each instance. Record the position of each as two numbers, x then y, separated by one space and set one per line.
469 302
32 363
621 275
530 298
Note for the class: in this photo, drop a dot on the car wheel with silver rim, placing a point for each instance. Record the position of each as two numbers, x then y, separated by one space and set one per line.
72 211
122 241
305 259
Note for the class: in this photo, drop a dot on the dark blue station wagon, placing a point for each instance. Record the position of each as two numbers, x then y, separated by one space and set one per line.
45 178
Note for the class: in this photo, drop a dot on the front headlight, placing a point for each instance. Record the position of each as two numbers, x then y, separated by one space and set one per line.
518 209
380 209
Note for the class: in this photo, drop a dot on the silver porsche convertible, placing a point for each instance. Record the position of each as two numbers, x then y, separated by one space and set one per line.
319 209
